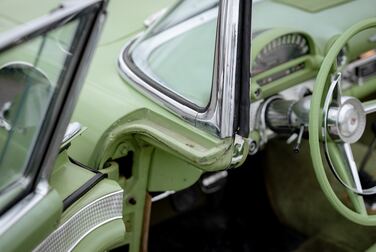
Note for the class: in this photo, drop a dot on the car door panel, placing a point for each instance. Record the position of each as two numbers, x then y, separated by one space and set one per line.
34 209
93 204
37 221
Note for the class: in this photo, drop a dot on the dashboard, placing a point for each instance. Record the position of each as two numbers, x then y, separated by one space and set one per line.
278 56
289 44
283 58
280 50
286 55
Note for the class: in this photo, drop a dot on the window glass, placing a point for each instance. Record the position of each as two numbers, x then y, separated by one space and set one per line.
177 54
31 75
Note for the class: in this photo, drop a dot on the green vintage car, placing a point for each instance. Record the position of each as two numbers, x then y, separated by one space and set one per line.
196 125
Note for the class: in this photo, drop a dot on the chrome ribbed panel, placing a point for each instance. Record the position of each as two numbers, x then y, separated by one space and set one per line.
95 214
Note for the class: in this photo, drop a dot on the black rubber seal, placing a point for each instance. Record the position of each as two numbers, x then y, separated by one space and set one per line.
73 161
68 201
242 91
76 195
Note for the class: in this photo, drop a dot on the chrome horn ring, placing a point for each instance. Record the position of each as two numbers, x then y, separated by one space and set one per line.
345 122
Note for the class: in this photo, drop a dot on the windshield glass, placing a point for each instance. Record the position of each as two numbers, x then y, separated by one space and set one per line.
176 55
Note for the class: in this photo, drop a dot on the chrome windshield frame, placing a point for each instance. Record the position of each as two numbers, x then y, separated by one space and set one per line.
218 117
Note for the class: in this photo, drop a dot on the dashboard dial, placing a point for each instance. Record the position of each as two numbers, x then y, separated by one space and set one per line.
280 50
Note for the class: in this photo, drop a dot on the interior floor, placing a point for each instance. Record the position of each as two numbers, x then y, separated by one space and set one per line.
237 218
272 203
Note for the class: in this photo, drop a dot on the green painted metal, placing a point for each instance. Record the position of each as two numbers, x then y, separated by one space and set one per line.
179 139
67 177
315 123
268 14
169 154
109 235
313 6
126 18
136 192
283 19
103 188
34 226
372 248
311 65
362 91
16 12
105 236
170 173
112 170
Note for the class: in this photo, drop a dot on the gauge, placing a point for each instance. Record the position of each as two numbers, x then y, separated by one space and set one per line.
280 50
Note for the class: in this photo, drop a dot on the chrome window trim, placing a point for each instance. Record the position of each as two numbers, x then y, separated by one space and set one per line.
35 27
218 118
145 49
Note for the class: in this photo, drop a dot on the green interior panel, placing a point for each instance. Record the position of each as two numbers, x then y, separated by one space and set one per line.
315 24
19 11
171 173
109 235
313 5
68 177
34 226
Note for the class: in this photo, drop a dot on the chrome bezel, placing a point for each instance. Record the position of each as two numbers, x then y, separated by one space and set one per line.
218 117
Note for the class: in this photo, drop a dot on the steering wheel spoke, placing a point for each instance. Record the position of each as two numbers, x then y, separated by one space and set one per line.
347 172
349 157
337 121
337 90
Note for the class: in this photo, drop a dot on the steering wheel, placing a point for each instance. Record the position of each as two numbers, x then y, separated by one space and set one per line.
335 122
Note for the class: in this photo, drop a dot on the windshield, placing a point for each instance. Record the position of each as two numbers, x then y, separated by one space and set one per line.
176 55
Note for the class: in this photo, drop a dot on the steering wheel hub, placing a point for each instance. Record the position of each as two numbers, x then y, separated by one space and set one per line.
348 121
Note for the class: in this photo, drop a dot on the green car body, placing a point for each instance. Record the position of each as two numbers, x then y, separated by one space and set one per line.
131 144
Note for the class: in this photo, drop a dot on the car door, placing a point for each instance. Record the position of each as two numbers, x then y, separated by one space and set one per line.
42 66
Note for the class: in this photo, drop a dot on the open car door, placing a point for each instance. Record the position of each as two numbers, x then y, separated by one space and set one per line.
42 66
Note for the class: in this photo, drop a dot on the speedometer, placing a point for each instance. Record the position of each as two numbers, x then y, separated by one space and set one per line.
280 50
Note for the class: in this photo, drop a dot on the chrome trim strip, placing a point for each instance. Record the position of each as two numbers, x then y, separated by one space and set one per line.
150 20
159 97
17 34
82 223
72 129
353 167
162 196
218 119
225 64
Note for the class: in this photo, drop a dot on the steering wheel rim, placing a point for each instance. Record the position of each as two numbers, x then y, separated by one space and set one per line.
316 120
